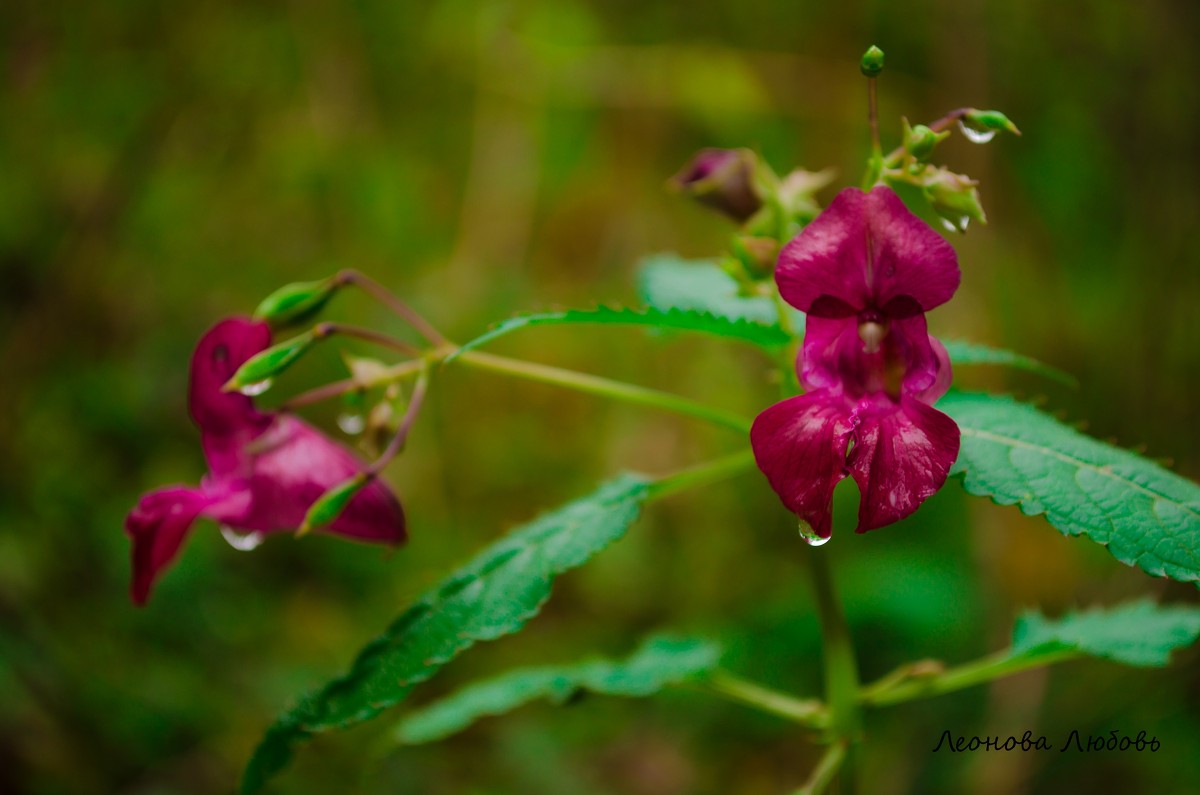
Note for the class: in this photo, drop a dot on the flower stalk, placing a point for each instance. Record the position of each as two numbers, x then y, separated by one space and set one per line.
618 390
809 712
826 770
392 302
841 667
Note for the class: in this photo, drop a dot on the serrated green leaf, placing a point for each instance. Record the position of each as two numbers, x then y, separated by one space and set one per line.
666 282
973 353
767 336
492 596
659 662
1146 515
1139 633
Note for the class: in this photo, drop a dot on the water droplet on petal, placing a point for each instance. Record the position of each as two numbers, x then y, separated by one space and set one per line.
351 423
257 388
242 542
976 136
810 536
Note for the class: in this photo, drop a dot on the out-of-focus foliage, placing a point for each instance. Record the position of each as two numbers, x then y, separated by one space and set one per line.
660 661
167 164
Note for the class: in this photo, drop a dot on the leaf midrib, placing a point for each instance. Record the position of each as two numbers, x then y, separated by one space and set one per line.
1104 471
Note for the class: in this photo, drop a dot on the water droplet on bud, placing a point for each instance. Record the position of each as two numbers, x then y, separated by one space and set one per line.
958 224
810 536
351 424
242 542
976 136
257 388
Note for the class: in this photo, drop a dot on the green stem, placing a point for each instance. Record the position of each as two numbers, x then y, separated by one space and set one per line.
896 155
841 668
825 771
388 299
971 674
875 163
400 437
810 712
617 390
327 329
335 388
701 474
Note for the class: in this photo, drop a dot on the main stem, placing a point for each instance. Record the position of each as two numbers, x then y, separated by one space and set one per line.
596 385
841 667
875 163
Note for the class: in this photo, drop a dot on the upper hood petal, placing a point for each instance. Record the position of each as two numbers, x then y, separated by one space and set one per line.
867 251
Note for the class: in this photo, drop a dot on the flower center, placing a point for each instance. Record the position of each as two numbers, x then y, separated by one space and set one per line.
872 330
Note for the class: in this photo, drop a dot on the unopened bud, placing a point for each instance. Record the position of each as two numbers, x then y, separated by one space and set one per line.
365 370
757 254
723 179
330 505
296 303
263 367
920 141
954 197
872 62
797 193
989 121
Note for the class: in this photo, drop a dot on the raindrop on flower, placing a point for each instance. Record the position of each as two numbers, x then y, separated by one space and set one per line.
242 542
809 535
351 423
976 136
257 388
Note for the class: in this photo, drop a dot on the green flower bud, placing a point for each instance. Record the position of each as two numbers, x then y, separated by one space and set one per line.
954 197
296 303
981 126
872 62
920 141
365 370
256 374
757 254
330 505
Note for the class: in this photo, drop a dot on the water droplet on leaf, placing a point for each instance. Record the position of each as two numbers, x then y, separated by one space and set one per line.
810 536
242 542
257 388
351 424
976 136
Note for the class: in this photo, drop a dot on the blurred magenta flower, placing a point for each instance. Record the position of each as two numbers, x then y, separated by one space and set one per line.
265 468
722 179
865 271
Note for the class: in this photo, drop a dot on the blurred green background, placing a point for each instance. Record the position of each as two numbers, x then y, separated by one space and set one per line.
166 164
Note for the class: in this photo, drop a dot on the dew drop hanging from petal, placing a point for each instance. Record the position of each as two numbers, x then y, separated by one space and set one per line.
242 542
810 536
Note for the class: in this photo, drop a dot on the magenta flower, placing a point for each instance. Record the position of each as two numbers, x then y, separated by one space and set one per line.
865 271
265 469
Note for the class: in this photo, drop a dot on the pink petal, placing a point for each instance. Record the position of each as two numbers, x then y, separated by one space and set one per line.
220 352
901 456
834 357
158 525
867 251
800 445
292 464
942 378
